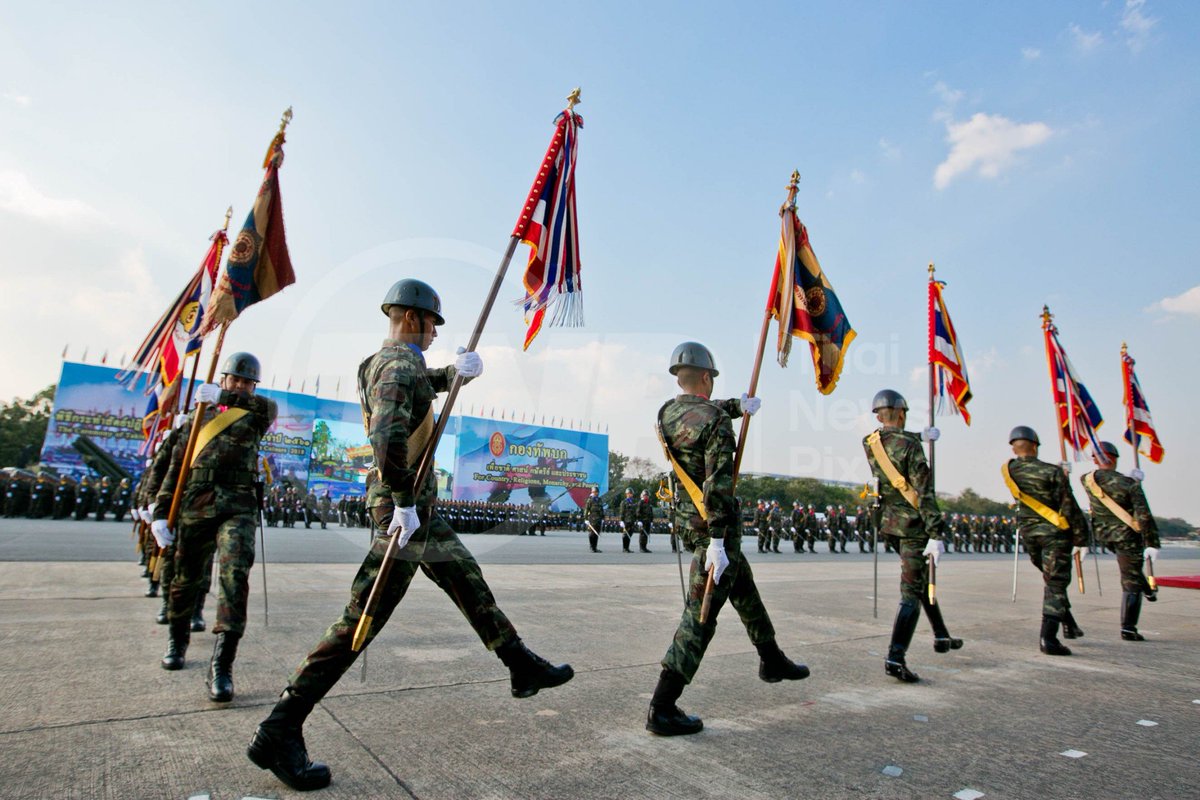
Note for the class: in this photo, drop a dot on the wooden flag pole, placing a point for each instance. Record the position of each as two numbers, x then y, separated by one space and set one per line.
932 480
197 416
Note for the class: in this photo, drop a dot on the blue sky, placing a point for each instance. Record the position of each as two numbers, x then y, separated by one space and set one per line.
1037 153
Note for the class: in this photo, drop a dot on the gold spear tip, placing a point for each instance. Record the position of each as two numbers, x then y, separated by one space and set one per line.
573 98
228 216
795 179
930 267
285 120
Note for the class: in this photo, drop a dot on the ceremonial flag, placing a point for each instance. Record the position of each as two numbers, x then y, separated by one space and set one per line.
185 338
259 264
1078 416
1138 425
159 409
547 224
950 369
805 304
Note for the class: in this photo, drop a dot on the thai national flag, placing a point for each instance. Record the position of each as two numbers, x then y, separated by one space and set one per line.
1078 416
945 355
1139 428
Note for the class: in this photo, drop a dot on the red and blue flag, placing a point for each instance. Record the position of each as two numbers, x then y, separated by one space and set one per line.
1139 427
1078 416
945 355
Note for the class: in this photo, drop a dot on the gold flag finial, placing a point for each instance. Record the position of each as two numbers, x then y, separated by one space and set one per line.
285 120
1124 349
930 270
1046 315
228 216
792 187
573 98
278 140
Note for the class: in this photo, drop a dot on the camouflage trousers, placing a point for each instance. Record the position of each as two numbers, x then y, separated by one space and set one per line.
738 587
914 569
1050 552
1131 561
231 537
437 551
167 574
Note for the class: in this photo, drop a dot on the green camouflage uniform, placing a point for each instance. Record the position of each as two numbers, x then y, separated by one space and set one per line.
397 391
218 512
1049 547
1127 543
908 529
700 435
593 511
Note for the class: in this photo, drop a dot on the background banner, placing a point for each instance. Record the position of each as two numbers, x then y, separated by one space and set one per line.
89 402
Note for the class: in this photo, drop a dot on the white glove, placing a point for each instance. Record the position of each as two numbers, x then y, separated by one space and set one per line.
930 434
1078 550
468 365
750 405
208 393
1151 553
715 555
162 534
934 549
146 515
179 420
1137 474
622 526
406 521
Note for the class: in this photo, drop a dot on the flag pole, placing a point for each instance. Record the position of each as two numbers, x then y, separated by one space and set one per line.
1126 373
1047 319
196 362
426 463
197 416
932 379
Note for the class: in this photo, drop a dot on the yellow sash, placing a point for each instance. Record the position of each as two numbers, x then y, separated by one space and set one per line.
689 485
1109 503
898 481
419 439
1041 509
213 428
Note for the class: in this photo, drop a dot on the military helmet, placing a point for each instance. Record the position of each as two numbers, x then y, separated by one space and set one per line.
693 354
1110 449
645 493
888 398
1024 432
242 365
412 293
628 490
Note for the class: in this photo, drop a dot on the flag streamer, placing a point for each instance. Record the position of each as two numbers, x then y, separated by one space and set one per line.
1077 414
945 355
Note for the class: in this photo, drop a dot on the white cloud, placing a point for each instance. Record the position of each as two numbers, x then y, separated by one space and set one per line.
1136 24
890 151
1186 303
22 100
19 196
1085 41
987 144
1030 53
949 99
857 176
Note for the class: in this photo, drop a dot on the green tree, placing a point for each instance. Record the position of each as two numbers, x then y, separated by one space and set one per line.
23 428
321 440
616 467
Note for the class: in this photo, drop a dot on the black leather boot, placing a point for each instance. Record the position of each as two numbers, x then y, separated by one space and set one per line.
943 642
178 636
1050 644
902 632
198 614
1131 609
152 589
1070 630
161 619
220 669
665 718
530 672
278 745
774 666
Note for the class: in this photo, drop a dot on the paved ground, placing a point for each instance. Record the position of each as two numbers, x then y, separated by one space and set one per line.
86 712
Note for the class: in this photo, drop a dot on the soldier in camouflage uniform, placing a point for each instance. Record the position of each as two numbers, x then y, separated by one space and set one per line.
218 511
915 529
698 434
593 511
1049 530
1133 543
628 512
645 518
397 391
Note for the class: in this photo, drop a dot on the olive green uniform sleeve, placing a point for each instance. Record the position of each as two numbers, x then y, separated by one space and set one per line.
719 501
391 420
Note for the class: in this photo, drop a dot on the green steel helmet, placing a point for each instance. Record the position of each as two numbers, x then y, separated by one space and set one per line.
243 365
629 490
693 354
888 398
1110 449
412 293
1024 432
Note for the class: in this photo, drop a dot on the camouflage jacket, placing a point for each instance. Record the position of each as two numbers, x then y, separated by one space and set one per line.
397 391
153 475
645 513
221 478
593 509
898 517
760 518
629 511
700 435
1046 483
1127 493
774 518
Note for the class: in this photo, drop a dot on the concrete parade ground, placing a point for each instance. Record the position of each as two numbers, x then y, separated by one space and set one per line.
86 711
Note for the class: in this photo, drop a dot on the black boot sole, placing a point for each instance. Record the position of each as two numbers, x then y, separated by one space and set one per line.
1054 649
257 752
1132 636
901 673
530 691
802 672
947 644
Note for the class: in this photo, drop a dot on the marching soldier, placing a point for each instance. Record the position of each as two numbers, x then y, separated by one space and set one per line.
218 513
628 518
326 505
1122 520
697 435
1050 521
593 511
645 518
397 391
759 523
913 523
797 520
310 509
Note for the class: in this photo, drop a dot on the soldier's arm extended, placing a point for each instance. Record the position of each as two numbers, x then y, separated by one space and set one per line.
391 418
719 501
732 407
442 377
1070 510
1141 513
918 477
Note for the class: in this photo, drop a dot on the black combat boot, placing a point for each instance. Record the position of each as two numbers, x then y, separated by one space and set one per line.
1050 644
625 543
161 619
665 718
774 666
902 632
278 745
529 671
178 636
198 614
1069 629
942 641
152 589
1131 609
220 669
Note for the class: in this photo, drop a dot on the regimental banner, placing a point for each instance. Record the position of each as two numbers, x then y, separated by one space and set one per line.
507 462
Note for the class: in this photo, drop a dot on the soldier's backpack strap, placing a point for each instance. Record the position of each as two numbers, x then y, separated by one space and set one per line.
898 481
213 428
1089 482
689 485
1041 509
